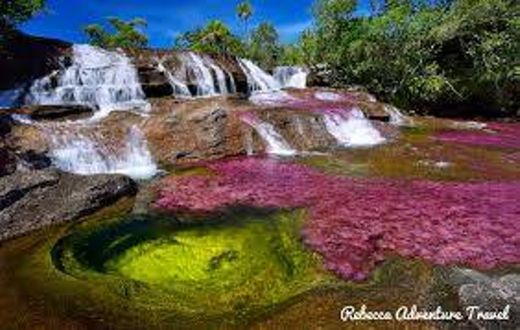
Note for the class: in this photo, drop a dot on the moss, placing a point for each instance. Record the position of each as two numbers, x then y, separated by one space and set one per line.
244 260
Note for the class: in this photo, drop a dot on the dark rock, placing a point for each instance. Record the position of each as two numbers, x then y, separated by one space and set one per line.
157 90
34 160
154 83
15 186
319 76
24 58
35 199
60 112
7 162
53 112
6 123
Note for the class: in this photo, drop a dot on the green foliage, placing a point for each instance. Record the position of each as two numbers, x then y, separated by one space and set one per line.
215 37
421 53
291 55
244 12
13 12
264 47
123 34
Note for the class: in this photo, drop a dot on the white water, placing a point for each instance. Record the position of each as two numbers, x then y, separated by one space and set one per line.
221 78
257 79
98 78
396 116
291 76
276 144
83 155
353 129
208 77
179 88
328 96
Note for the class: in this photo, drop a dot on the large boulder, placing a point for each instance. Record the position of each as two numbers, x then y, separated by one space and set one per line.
193 131
303 130
479 292
24 58
31 200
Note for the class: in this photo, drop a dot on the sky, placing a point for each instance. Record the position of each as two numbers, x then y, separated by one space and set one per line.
64 19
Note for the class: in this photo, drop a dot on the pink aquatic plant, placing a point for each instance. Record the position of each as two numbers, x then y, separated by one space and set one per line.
356 223
307 101
497 134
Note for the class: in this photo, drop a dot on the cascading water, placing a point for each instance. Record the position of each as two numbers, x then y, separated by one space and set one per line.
291 76
276 144
352 129
396 117
257 79
83 155
179 88
221 78
201 73
101 79
209 78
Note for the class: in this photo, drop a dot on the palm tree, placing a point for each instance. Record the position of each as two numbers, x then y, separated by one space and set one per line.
244 13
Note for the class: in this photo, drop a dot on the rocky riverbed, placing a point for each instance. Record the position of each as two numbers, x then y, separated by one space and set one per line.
139 191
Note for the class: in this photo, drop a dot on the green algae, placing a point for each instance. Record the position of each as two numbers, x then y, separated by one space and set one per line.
240 261
417 155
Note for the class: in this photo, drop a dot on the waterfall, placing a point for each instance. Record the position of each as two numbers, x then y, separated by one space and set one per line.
276 144
353 129
209 78
80 154
179 88
396 117
233 85
221 79
257 79
101 79
291 76
201 74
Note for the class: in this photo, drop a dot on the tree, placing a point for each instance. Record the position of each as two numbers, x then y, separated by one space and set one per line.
215 37
122 34
244 12
14 12
427 54
291 55
265 47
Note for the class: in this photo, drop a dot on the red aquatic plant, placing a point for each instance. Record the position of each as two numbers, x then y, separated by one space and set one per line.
496 134
355 223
